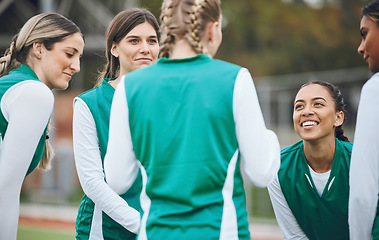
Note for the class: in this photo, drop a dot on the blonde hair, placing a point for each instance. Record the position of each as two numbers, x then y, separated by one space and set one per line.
48 29
186 19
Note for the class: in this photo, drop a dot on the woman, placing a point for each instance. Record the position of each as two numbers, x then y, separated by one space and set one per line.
132 43
189 121
48 47
310 194
364 173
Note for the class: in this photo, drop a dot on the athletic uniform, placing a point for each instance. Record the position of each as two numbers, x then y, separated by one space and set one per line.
90 134
26 104
190 123
364 171
309 205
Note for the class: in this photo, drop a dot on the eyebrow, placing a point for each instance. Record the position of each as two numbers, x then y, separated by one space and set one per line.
313 99
134 36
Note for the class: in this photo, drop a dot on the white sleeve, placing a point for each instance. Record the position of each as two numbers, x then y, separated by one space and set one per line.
90 170
120 163
286 220
27 107
259 147
364 167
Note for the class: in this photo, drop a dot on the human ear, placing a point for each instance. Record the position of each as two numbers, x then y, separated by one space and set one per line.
38 49
212 32
114 50
339 118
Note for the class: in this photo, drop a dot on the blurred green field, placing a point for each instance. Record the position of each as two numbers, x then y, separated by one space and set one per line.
33 233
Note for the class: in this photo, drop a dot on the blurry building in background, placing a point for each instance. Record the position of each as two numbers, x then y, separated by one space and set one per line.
60 185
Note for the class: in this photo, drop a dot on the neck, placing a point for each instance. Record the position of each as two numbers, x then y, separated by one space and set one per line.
115 82
320 154
182 49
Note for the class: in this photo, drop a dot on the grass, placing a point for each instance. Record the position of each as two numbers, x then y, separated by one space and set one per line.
33 233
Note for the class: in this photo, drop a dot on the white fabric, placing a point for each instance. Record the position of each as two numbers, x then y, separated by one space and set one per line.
229 228
364 167
90 170
286 220
259 147
27 107
320 180
145 204
96 232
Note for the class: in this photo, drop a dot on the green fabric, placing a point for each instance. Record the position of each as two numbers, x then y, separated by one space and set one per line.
14 77
325 217
375 229
99 102
183 133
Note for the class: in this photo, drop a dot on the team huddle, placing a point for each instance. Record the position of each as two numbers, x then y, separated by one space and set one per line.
162 138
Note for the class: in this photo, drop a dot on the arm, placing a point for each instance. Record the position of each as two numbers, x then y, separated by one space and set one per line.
90 170
259 147
120 163
286 220
364 166
27 107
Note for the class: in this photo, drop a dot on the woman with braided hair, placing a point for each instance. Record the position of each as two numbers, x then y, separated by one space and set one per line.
310 194
42 56
188 122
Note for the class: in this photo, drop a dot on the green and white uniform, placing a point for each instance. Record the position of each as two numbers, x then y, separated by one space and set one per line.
190 123
309 205
90 128
26 104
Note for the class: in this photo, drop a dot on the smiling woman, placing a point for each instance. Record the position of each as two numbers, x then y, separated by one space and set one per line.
132 43
48 48
310 193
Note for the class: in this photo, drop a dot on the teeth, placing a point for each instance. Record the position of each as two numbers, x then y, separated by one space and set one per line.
309 123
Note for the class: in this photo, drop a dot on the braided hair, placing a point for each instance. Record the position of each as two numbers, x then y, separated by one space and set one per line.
186 19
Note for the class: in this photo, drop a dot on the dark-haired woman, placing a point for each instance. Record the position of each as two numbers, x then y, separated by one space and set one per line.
131 43
364 171
310 193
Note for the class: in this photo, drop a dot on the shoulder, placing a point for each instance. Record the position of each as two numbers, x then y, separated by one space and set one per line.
372 83
294 148
31 89
346 146
89 93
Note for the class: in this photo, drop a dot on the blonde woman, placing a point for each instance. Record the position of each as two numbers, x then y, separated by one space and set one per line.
48 47
189 122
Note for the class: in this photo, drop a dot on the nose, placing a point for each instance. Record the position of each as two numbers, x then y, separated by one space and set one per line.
307 110
75 65
145 48
361 48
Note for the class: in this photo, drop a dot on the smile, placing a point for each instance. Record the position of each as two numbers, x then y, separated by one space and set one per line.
309 124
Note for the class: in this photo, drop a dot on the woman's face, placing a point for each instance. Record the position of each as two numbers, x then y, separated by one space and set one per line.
138 49
369 46
314 115
57 65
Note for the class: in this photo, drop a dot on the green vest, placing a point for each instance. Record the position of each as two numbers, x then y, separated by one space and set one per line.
14 77
183 132
325 217
99 102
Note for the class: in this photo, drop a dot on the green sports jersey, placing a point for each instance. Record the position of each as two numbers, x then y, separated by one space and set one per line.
99 101
320 217
183 132
14 77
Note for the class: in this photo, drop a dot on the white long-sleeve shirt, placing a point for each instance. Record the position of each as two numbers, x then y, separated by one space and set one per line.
91 174
27 107
364 168
258 146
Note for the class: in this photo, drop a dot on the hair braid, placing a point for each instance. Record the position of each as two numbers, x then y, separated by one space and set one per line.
194 36
6 60
167 37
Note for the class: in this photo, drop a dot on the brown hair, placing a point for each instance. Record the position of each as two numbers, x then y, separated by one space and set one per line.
188 19
120 26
